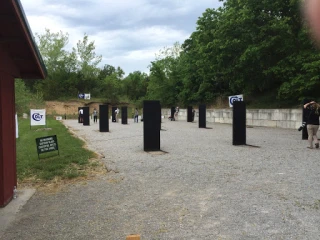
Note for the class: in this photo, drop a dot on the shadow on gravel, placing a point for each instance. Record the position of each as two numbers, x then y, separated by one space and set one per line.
157 152
248 145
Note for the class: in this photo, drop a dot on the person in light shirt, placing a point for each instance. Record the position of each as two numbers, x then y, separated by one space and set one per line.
116 113
81 115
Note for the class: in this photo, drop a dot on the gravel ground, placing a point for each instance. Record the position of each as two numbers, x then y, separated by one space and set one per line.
200 188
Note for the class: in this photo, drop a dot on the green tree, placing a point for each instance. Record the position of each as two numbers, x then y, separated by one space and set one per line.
68 72
249 47
135 85
58 62
107 70
112 90
88 60
24 99
202 78
165 80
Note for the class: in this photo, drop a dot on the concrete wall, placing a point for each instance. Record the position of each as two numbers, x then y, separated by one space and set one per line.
282 118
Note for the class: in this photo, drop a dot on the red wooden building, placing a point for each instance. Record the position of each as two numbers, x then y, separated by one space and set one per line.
19 58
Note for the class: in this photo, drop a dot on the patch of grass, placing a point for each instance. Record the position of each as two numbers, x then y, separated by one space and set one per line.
69 164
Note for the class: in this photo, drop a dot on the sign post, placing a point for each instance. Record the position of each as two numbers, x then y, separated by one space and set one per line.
86 96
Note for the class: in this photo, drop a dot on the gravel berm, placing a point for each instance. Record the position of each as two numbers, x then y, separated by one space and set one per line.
200 187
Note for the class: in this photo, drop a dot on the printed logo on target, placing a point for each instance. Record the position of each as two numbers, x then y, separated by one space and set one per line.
37 117
235 98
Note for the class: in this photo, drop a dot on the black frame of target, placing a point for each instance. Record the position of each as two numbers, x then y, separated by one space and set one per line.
113 114
124 115
151 125
202 116
189 114
239 123
104 118
86 116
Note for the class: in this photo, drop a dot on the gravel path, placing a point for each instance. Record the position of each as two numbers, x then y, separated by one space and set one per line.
203 188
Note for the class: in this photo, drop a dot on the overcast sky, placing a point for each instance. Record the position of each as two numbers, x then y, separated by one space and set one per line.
127 33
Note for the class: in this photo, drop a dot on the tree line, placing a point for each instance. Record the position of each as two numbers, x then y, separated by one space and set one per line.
244 47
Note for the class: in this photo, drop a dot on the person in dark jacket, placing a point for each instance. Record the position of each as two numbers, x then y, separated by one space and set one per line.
95 115
193 114
312 122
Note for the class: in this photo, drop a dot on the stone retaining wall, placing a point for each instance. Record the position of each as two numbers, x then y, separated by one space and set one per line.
282 118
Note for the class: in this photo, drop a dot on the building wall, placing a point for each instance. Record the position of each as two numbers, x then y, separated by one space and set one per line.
281 118
7 138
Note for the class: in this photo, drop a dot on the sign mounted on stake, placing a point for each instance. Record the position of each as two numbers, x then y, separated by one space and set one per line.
84 95
47 144
235 98
37 117
87 96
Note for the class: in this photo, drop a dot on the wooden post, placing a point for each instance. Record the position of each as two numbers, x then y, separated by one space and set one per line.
133 237
8 177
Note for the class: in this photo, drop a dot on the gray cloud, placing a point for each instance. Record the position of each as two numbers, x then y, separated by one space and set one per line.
126 33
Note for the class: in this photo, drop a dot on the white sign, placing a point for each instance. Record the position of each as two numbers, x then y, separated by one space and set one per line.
58 118
235 98
17 133
87 96
37 117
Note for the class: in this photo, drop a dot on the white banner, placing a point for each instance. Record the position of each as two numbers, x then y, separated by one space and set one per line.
37 117
87 96
235 98
17 133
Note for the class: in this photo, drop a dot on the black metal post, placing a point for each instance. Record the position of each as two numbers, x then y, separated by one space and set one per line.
202 116
86 116
124 115
173 110
239 123
151 126
189 114
104 118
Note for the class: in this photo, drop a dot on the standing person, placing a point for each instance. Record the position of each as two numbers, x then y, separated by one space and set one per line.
136 115
176 113
193 114
81 115
312 122
95 115
116 113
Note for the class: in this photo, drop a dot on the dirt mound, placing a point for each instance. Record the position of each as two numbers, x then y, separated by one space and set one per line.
69 107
